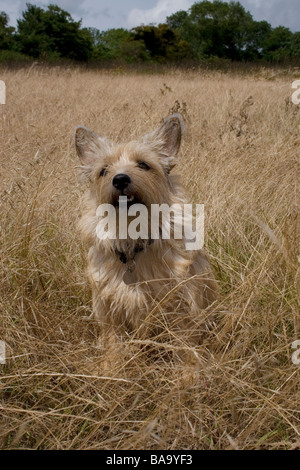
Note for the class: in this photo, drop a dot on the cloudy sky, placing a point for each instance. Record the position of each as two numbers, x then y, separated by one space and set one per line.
105 14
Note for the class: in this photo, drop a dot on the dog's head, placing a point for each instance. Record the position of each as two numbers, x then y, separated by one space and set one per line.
139 169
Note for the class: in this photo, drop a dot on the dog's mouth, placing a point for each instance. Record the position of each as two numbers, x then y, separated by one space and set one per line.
124 200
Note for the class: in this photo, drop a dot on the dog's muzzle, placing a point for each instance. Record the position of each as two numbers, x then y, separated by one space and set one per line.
121 183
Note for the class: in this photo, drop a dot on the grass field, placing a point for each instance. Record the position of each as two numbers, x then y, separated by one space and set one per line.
239 158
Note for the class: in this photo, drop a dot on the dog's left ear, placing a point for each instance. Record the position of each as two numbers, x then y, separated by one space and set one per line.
167 139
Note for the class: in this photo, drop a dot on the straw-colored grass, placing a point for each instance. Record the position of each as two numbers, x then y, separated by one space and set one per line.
239 158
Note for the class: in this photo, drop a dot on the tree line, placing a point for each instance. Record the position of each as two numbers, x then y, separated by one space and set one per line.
209 29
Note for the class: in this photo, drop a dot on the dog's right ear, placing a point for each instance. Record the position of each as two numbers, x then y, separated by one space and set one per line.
89 146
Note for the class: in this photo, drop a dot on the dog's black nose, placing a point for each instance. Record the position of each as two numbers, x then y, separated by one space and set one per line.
121 181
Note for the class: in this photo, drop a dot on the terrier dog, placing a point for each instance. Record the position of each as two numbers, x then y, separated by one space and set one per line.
140 284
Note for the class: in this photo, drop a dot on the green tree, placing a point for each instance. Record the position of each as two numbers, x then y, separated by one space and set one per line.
161 42
278 44
108 43
117 44
178 20
214 29
6 32
52 33
227 30
258 34
295 45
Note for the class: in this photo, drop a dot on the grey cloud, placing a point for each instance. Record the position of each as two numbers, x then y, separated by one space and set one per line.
276 12
104 14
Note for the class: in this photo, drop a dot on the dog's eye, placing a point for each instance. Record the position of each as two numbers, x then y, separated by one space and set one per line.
103 171
143 165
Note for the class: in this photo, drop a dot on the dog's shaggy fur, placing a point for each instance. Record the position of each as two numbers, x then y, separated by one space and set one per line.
172 285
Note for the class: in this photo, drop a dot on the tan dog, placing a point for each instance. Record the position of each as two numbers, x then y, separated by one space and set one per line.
140 284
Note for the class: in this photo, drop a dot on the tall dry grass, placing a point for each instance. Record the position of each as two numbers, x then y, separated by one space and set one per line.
239 158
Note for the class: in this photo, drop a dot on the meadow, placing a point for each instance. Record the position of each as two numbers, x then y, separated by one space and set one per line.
239 389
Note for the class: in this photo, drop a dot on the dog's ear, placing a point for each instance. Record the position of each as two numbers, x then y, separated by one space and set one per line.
89 146
171 132
167 139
